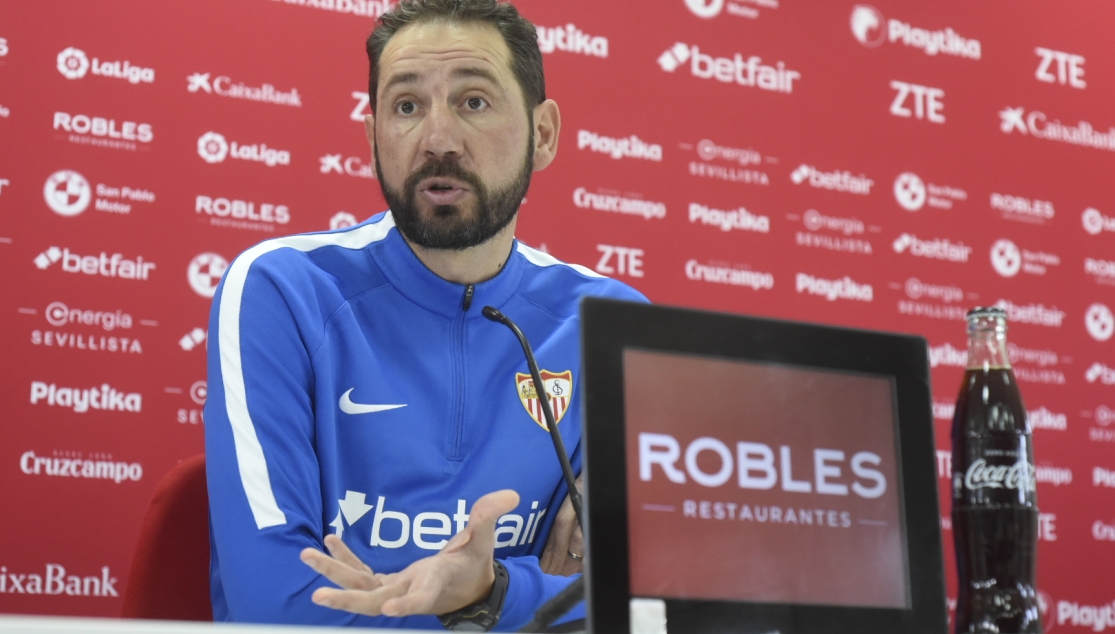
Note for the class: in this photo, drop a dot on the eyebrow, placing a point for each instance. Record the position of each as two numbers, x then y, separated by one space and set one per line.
460 73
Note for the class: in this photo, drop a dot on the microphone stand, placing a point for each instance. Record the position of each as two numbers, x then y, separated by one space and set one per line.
574 592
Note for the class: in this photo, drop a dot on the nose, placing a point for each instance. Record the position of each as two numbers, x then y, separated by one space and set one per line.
441 134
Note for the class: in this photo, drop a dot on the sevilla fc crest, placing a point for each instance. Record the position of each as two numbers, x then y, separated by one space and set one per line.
559 388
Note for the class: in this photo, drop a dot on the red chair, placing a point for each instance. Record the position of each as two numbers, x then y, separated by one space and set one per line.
170 569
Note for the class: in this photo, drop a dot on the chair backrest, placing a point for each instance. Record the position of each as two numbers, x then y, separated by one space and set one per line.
169 578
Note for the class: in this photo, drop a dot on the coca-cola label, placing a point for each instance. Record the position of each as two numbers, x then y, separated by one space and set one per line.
1020 476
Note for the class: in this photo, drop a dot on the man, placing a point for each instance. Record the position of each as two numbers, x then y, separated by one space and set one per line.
359 400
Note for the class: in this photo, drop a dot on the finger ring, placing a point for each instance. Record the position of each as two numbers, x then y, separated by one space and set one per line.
574 556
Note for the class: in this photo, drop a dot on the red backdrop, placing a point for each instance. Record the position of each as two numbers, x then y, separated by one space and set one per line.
880 166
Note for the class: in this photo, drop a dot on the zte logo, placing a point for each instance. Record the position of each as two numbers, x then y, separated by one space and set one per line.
751 72
928 103
1058 67
627 261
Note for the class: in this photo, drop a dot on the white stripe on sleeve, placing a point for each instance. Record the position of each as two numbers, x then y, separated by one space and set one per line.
249 453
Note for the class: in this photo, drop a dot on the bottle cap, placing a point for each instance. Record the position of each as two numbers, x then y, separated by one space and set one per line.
986 312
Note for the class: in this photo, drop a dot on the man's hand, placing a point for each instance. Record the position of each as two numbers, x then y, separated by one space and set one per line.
565 537
459 575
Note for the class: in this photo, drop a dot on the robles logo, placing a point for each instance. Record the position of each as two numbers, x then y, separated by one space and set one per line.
73 63
1021 208
871 29
750 73
103 132
214 148
241 214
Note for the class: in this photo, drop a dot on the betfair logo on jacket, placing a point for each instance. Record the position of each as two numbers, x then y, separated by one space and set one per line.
429 530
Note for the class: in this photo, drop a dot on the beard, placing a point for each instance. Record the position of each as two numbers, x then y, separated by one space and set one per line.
451 227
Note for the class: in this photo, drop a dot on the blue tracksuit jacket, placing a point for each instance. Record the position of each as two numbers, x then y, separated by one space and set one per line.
352 392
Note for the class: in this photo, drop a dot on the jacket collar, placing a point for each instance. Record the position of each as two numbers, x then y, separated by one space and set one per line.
422 286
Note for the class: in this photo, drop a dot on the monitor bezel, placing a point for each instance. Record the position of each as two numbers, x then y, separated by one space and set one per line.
609 327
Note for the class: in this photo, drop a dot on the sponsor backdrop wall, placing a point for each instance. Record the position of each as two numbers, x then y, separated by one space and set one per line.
883 166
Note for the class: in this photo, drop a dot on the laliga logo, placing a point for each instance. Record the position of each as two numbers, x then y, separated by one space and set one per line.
909 191
67 193
1095 223
72 63
867 25
1006 259
212 147
204 273
1100 322
706 9
342 219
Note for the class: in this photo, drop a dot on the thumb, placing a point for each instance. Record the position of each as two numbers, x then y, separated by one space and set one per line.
488 509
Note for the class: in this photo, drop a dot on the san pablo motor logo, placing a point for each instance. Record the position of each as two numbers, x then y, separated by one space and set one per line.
559 389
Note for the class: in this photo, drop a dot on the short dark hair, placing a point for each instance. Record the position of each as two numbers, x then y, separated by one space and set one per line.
517 32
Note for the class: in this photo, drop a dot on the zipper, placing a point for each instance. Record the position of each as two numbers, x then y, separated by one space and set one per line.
458 352
468 297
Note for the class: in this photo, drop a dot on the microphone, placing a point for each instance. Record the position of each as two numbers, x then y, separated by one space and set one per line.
574 593
559 446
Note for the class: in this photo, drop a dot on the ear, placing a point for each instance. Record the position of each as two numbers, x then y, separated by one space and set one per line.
547 129
370 132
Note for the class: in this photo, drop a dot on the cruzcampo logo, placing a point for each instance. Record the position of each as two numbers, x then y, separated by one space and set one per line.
559 389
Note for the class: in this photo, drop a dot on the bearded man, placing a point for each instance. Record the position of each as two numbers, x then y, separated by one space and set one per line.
358 398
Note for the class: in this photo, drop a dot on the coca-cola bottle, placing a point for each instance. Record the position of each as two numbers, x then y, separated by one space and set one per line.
994 498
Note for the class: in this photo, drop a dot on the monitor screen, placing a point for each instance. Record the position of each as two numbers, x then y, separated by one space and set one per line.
769 483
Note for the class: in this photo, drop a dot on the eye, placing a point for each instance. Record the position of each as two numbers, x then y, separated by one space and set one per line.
405 107
476 103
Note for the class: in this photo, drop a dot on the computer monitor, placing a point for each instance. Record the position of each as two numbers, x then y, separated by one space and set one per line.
754 475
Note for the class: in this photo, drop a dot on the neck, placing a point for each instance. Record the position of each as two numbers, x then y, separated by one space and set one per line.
469 266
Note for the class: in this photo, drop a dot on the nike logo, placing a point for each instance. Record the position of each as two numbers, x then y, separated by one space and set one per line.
348 407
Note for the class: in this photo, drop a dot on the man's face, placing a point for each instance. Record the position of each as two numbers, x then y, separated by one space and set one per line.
453 142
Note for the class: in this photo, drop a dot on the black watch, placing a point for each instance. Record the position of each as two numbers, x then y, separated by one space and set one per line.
484 615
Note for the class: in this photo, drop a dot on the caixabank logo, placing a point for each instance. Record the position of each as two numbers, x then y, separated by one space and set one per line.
73 63
1036 124
213 148
749 73
871 29
223 86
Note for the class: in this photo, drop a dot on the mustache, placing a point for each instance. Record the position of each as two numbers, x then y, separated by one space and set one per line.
442 168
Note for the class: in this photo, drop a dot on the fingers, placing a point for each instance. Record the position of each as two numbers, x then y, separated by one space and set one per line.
340 551
576 545
557 543
359 601
340 573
